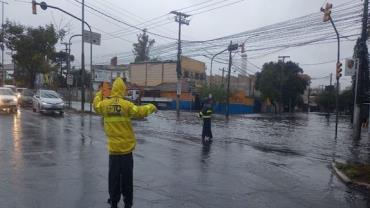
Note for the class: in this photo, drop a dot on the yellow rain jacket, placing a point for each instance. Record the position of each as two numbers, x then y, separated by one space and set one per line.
117 114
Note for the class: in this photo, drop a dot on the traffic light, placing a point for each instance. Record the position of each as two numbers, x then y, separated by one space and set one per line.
243 47
34 7
233 47
327 12
339 70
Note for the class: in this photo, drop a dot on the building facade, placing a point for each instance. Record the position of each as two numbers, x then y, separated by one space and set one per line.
108 73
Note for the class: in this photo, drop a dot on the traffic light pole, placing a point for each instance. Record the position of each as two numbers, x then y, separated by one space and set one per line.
337 90
3 78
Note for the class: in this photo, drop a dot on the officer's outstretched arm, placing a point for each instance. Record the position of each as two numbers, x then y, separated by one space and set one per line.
141 111
97 102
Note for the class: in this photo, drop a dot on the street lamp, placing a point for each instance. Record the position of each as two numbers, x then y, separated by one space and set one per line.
44 6
213 57
69 64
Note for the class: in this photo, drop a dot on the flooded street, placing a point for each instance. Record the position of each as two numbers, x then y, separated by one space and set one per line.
254 161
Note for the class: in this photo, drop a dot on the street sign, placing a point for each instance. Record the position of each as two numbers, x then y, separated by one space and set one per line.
70 79
94 39
351 66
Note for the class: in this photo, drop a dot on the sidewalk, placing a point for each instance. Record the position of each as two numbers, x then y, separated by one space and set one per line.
76 105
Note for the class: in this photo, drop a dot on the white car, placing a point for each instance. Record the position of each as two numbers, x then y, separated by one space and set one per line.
8 99
47 101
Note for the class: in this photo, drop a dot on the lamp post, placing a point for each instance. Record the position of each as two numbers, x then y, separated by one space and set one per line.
213 57
44 6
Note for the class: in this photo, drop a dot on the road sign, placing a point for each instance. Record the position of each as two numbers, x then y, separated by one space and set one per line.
351 66
94 39
70 79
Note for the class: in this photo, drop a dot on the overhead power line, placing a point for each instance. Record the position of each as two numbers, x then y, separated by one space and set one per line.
125 23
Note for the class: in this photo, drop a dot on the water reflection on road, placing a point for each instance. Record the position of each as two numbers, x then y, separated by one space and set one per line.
254 161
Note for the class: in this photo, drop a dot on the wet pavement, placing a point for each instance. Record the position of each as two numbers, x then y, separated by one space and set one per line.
254 161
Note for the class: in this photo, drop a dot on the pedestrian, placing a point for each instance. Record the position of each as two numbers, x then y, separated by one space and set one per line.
117 114
206 115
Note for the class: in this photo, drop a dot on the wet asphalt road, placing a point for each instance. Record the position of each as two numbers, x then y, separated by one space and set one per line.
255 161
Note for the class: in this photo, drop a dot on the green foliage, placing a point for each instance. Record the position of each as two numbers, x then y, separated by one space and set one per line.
326 101
281 82
33 49
142 47
77 76
346 101
218 93
61 57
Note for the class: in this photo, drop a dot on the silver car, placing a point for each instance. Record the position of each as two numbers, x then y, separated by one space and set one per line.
8 99
47 101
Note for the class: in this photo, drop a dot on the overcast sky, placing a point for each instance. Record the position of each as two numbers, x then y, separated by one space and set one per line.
243 16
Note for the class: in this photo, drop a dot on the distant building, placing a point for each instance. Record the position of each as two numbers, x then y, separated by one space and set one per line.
158 81
9 71
108 73
242 83
151 74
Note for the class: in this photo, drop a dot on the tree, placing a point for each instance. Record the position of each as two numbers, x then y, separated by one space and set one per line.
346 101
218 93
326 101
142 47
33 49
282 83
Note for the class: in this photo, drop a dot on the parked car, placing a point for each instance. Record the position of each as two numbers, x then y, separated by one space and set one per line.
26 97
8 100
47 101
19 92
14 89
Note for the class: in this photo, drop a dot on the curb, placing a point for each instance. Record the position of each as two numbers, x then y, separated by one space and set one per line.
347 180
341 175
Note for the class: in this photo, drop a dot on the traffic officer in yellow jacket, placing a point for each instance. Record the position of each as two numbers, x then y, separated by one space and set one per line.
117 114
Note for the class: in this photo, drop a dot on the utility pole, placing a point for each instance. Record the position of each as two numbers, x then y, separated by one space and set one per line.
232 47
223 74
2 44
331 78
359 83
67 58
282 58
181 19
308 97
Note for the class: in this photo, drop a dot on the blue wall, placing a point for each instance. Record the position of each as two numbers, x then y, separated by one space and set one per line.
218 108
234 109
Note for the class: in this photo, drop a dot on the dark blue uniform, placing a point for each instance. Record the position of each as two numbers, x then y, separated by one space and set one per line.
206 115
